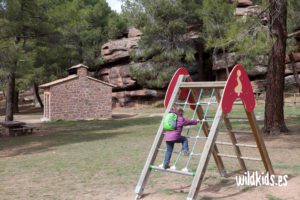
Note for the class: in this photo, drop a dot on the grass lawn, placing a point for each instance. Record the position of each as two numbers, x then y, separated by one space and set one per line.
103 160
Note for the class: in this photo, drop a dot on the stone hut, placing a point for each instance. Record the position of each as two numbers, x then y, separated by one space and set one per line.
77 97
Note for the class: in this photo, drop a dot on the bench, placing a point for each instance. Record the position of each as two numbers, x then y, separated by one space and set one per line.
17 128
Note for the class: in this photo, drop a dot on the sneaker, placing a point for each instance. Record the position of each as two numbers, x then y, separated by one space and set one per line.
186 153
166 166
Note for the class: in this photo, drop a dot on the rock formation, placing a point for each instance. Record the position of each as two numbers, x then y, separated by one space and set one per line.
257 73
116 70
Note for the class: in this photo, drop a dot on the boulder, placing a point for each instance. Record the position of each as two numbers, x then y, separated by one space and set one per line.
220 61
118 49
119 76
134 32
289 68
290 82
259 85
246 11
257 70
296 57
242 3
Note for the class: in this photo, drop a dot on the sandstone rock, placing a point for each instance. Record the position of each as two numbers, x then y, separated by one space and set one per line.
245 11
243 3
289 68
290 82
259 85
118 49
220 61
296 57
134 32
119 76
257 70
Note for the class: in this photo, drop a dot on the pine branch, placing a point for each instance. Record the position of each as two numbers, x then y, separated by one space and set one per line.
296 33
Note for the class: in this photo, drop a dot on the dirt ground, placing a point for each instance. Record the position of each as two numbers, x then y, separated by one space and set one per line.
282 149
284 152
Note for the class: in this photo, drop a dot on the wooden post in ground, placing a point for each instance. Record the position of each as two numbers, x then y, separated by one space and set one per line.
232 137
205 156
260 142
157 142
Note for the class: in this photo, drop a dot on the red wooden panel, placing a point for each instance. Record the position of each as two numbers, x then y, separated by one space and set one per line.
238 86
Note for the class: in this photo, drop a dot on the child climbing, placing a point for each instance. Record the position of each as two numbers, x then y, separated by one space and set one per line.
173 126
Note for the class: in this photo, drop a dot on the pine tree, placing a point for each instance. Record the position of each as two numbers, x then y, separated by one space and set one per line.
19 21
250 37
165 25
274 113
40 39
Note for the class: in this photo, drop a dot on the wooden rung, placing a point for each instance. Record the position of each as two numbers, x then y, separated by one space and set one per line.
216 84
243 118
239 145
224 143
235 131
247 145
242 157
197 137
250 158
194 104
172 170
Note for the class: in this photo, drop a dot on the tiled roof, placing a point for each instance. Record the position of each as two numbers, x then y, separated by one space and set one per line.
94 79
71 77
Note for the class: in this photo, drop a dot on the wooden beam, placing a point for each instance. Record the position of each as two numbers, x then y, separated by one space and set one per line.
218 84
157 142
293 34
172 171
237 144
260 142
206 153
242 157
232 136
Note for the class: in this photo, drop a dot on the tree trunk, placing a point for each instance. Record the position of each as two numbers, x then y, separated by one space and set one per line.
9 113
16 101
201 73
274 108
37 95
296 76
227 63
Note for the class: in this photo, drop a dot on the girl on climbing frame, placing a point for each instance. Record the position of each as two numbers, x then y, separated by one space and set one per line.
174 136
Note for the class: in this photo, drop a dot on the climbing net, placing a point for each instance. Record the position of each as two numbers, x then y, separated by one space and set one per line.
199 138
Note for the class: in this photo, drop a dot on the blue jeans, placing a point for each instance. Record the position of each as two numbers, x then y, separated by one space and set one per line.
170 146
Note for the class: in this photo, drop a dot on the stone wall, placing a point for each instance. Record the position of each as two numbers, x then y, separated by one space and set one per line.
80 98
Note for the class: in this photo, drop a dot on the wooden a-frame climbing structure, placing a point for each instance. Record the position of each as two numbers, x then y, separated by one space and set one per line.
237 87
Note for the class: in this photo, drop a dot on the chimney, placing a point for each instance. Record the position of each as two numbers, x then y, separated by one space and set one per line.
80 69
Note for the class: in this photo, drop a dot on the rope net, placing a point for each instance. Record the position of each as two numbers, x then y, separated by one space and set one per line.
194 134
207 103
